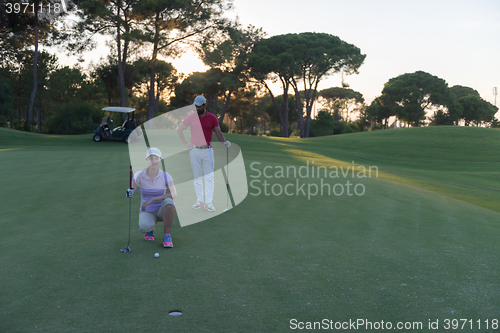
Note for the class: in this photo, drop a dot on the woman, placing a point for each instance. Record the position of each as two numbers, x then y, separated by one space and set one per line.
157 194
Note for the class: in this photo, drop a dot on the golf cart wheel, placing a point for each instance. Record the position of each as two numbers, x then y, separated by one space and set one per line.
97 138
125 139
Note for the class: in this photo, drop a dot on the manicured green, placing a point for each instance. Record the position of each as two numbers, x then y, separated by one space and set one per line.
420 244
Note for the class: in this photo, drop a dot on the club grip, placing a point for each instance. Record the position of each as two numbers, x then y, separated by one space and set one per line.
130 183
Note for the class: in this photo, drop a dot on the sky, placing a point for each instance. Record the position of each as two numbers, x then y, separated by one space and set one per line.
456 40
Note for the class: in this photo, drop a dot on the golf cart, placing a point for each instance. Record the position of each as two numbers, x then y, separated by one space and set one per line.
119 133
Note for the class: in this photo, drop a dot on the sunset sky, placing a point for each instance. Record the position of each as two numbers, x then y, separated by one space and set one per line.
456 40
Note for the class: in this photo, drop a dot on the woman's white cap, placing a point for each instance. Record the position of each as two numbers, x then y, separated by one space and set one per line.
153 151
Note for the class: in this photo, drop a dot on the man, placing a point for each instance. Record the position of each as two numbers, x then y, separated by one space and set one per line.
201 156
157 194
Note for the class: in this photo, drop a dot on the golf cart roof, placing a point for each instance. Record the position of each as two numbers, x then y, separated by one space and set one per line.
118 109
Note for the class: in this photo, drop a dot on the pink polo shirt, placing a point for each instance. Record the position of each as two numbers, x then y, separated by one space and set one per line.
201 136
151 189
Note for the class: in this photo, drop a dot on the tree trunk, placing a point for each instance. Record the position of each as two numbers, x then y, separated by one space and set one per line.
152 94
212 105
157 101
298 102
127 85
283 112
334 117
35 79
152 80
284 115
121 79
309 103
225 106
39 119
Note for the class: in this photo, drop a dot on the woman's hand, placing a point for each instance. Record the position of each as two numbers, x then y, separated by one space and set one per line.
146 204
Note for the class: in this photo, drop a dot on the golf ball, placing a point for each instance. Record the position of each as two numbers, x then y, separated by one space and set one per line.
157 255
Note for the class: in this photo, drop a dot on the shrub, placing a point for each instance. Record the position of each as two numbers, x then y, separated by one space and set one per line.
224 128
19 124
347 129
81 118
4 121
275 132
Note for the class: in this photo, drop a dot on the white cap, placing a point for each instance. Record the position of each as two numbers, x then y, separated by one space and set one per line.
200 100
153 151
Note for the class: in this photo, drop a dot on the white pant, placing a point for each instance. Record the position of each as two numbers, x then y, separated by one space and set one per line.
202 163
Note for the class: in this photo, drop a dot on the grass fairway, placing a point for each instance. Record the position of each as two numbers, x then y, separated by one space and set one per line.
420 244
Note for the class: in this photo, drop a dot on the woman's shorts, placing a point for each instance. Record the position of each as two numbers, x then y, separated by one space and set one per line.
148 220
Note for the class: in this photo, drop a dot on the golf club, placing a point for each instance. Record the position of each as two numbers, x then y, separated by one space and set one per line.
127 249
227 181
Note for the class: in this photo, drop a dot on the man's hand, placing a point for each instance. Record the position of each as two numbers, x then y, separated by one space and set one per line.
227 144
190 146
130 192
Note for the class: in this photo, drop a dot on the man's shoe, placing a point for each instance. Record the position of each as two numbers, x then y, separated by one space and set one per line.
210 208
167 241
198 204
150 236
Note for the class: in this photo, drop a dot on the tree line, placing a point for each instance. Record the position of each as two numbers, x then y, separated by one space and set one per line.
37 94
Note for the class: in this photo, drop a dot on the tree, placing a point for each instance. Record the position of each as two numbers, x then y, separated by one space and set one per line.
476 110
440 118
166 79
343 100
228 51
379 111
22 81
271 59
108 74
244 111
65 84
323 123
455 109
273 113
105 17
462 91
319 55
412 94
22 30
15 32
6 101
305 59
166 23
206 83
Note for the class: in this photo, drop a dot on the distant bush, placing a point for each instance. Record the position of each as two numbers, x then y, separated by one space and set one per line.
81 118
3 121
275 132
19 124
321 125
348 129
441 118
6 101
224 128
361 125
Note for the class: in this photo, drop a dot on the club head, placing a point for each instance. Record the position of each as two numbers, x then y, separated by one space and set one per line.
225 210
126 249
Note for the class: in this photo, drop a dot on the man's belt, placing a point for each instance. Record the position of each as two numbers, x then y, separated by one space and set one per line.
203 147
